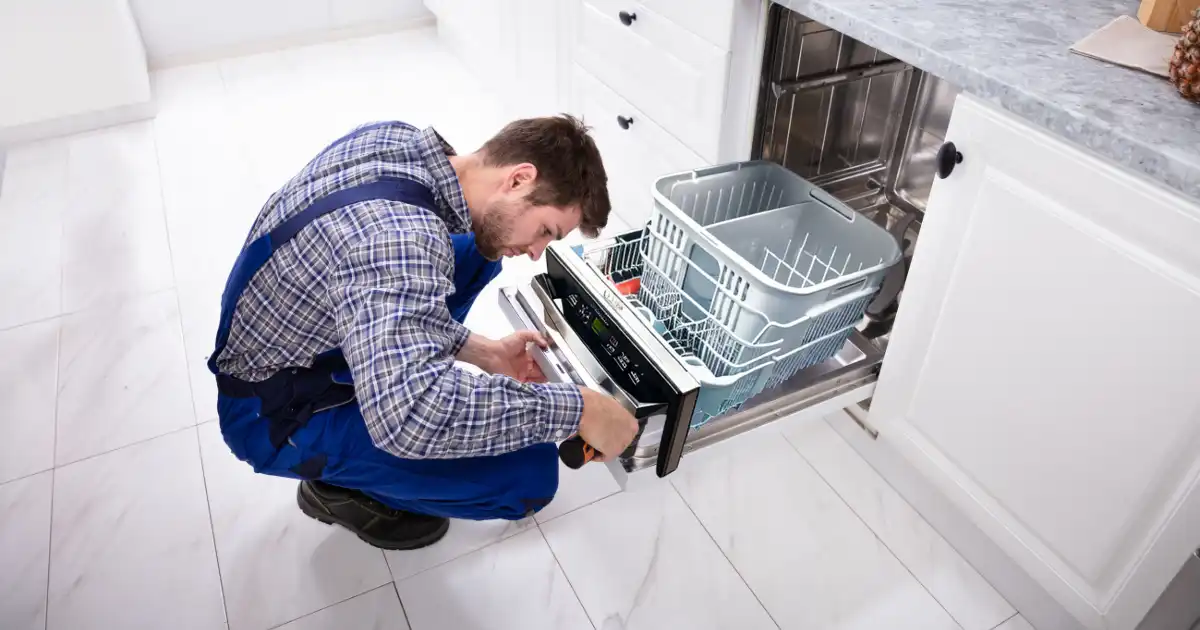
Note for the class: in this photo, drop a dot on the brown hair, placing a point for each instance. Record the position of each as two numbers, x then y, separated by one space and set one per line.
569 169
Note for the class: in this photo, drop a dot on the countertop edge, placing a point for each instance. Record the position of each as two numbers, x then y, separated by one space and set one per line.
1180 174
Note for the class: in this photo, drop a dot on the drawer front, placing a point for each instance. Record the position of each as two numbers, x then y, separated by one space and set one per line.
710 19
634 156
668 72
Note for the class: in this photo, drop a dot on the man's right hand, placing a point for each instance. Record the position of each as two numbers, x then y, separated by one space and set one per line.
606 425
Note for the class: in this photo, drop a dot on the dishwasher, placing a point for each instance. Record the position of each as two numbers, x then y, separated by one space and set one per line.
653 318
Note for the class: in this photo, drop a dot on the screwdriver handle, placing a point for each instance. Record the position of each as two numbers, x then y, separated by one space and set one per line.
575 452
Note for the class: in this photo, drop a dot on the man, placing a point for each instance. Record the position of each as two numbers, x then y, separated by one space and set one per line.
342 319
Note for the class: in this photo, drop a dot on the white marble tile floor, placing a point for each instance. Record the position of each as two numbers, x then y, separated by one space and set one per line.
25 548
122 507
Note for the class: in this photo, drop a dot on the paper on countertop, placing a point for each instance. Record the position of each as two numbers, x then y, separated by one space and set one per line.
1127 42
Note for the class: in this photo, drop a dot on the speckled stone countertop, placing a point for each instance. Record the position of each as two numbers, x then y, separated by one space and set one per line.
1016 53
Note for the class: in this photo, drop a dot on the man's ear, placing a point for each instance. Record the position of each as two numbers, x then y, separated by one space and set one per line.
522 176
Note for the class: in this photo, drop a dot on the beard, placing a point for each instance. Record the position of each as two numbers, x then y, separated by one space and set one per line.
493 232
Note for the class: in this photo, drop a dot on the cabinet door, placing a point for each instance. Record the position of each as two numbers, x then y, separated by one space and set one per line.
1043 368
635 153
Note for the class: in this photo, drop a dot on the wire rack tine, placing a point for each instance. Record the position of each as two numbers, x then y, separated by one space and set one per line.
832 255
796 263
808 275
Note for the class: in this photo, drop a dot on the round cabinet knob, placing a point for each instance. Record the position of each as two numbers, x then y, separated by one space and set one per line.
947 157
626 17
624 121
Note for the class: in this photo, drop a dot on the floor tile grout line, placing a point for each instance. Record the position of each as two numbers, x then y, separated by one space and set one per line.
449 560
212 528
102 303
328 606
1010 618
566 577
26 475
124 446
49 549
723 554
403 608
33 322
576 509
874 533
162 198
53 455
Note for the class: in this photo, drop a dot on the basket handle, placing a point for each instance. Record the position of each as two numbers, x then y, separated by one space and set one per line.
829 200
716 170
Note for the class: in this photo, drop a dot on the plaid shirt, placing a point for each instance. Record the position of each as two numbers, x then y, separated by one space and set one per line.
372 279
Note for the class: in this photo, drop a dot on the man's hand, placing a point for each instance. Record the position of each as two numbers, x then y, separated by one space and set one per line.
606 425
509 356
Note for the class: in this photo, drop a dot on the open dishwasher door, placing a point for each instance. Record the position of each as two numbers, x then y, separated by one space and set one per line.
601 339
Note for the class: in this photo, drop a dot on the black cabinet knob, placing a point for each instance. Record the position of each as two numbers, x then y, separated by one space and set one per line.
624 121
626 17
947 157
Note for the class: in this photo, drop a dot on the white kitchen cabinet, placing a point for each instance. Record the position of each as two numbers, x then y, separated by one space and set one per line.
665 70
635 150
1042 371
675 63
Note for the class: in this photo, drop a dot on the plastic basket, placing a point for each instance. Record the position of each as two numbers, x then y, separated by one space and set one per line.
781 249
730 369
751 274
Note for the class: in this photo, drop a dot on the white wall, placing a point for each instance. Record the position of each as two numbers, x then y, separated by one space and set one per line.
68 65
184 31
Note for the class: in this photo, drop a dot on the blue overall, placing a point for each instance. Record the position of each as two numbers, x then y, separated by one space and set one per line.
304 423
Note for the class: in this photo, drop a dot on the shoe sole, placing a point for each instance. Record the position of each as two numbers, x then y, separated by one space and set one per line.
408 545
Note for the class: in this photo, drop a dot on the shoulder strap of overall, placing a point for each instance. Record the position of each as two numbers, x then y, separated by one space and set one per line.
259 251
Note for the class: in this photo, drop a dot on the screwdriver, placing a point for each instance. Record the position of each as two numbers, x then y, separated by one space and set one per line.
575 452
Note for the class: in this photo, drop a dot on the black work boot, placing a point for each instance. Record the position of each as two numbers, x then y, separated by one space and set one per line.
372 521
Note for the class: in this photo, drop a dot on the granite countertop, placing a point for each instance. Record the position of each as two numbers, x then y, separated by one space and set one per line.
1016 54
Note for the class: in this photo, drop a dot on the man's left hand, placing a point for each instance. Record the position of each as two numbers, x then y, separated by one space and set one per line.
511 356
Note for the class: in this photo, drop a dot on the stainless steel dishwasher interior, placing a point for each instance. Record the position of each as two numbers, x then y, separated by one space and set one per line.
864 126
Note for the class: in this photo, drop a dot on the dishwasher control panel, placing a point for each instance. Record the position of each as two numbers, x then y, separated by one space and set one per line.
608 343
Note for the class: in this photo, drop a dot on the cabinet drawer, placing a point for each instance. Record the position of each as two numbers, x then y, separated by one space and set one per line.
710 19
634 156
671 74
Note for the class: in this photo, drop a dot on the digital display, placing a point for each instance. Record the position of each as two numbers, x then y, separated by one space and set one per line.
599 328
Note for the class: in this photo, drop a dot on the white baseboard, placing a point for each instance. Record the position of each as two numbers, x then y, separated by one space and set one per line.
1001 571
77 123
306 38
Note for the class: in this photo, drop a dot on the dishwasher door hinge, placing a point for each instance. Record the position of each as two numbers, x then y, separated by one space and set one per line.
858 413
